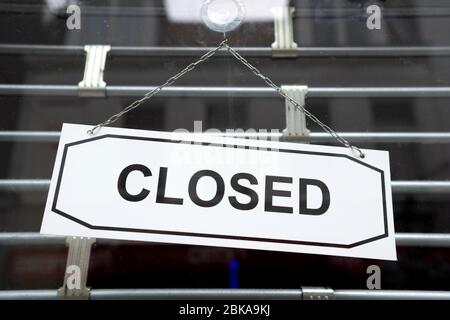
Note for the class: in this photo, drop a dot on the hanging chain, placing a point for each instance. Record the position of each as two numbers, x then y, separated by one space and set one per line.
156 90
299 107
258 73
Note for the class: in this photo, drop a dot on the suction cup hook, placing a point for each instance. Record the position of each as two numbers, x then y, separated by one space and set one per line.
222 15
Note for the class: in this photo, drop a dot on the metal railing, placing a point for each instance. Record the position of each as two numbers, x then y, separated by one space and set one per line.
417 187
436 240
242 92
230 294
301 11
409 186
314 137
406 51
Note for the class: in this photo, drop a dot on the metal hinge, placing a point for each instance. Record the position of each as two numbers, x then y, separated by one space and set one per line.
284 45
92 84
295 119
77 266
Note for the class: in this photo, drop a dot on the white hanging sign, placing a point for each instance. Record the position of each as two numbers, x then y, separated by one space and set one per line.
216 191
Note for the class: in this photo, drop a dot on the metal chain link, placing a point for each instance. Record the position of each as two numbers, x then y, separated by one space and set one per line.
299 107
258 73
155 91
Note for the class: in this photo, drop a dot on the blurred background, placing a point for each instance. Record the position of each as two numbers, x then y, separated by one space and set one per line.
175 25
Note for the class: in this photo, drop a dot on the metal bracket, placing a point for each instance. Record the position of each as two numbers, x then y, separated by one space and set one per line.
92 84
295 119
284 45
317 293
77 268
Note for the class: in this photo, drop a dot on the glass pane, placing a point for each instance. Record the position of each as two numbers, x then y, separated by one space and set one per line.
42 61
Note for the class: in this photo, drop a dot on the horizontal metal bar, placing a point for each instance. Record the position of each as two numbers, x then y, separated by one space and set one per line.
39 90
391 295
30 136
28 294
248 92
323 137
104 11
198 294
38 49
409 186
378 92
436 240
37 239
230 294
305 52
41 185
360 12
29 238
407 51
421 187
315 137
319 92
304 12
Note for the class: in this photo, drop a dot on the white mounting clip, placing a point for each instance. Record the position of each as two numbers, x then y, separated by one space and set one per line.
295 119
317 293
75 277
284 45
93 84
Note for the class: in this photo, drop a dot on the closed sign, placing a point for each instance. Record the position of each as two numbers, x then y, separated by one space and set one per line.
215 191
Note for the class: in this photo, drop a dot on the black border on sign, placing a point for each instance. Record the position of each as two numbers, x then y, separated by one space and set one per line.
216 236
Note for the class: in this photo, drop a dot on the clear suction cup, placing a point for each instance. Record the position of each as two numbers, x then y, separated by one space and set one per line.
222 15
